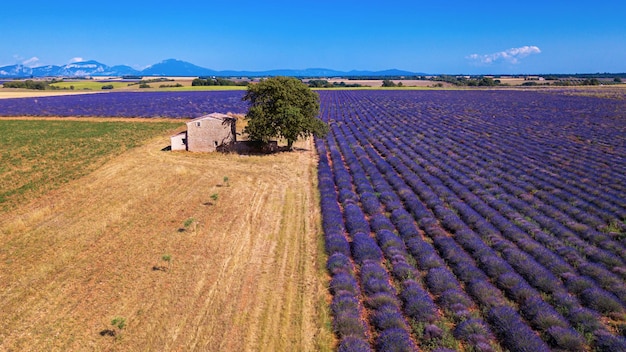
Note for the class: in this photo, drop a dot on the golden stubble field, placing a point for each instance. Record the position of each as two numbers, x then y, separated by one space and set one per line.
245 274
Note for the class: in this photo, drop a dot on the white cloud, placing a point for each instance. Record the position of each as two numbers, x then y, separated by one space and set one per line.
32 62
512 55
76 59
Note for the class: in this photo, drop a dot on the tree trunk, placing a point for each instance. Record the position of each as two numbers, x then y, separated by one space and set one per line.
290 144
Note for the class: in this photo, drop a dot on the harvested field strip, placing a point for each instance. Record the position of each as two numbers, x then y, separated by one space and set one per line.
244 276
41 154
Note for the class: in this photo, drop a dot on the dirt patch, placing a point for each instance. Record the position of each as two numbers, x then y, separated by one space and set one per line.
245 277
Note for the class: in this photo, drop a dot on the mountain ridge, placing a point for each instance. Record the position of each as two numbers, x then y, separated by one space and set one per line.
173 67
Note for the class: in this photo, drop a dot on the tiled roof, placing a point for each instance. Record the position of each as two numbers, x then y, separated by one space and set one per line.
215 115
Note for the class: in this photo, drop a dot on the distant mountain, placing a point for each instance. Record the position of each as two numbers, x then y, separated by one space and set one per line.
46 71
392 72
309 72
75 69
123 70
15 71
173 67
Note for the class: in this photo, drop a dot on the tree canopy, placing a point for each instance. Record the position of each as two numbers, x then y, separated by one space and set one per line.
283 107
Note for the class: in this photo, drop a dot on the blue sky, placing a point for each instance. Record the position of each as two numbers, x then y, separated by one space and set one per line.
443 36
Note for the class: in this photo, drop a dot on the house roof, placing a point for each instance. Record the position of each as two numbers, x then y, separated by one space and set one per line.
215 115
179 133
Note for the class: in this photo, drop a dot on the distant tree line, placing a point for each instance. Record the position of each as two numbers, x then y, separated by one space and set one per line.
28 84
469 82
34 84
390 83
145 82
322 83
210 81
395 78
177 85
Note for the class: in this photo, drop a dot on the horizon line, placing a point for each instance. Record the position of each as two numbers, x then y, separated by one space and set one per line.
407 72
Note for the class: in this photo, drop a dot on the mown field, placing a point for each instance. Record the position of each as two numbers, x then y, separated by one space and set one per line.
40 155
192 252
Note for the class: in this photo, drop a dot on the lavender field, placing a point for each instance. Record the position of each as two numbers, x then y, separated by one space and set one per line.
453 220
128 104
475 220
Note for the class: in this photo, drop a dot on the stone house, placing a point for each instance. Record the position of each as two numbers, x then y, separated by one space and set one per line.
207 133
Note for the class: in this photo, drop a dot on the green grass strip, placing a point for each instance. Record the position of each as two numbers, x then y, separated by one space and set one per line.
37 156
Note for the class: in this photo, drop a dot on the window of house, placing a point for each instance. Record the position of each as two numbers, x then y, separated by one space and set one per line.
215 143
198 124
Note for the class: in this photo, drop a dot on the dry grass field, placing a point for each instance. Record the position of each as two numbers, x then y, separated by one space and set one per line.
377 83
196 252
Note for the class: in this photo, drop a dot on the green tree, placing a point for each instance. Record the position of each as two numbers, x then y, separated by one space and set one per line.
487 81
388 83
319 83
283 107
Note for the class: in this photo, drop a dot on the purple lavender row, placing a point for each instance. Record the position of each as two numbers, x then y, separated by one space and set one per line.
127 104
611 282
388 322
595 234
557 151
492 181
537 275
600 208
348 312
564 155
441 282
415 301
488 125
417 304
573 337
607 256
607 303
622 138
552 187
468 162
603 257
596 299
512 231
526 164
392 330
